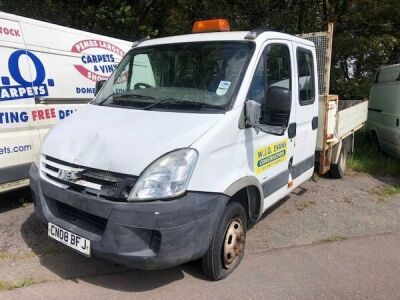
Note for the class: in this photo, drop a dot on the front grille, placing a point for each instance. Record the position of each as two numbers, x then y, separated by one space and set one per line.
81 219
104 184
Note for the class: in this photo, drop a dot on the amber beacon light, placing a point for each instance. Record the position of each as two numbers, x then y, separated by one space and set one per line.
211 25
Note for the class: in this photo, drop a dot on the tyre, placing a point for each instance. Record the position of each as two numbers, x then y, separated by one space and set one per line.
375 140
339 170
227 246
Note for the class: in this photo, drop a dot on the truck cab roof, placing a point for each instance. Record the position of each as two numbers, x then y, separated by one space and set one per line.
224 36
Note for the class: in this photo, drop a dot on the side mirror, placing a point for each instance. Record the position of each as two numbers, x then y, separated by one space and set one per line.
99 85
278 99
252 112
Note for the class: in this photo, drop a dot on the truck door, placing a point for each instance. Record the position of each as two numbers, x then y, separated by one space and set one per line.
305 96
272 150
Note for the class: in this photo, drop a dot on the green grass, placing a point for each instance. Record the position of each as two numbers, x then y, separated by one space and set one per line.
334 238
388 191
6 286
368 158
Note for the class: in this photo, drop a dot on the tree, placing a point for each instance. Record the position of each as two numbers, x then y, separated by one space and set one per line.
366 31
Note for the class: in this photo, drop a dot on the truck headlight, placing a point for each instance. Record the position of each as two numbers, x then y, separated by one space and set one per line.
166 177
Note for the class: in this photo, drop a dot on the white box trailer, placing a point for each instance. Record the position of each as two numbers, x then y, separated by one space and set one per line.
46 73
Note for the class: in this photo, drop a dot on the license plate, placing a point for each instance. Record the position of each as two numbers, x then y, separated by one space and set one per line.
70 239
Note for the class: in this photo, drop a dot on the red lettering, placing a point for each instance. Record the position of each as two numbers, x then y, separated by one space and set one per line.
43 114
40 114
34 115
47 113
10 31
53 112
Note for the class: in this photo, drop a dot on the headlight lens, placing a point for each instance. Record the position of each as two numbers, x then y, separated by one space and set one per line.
167 177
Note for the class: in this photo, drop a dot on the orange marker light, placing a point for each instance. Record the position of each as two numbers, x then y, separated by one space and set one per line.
211 26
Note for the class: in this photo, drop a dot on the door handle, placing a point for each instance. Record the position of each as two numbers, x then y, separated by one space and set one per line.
314 123
397 122
292 130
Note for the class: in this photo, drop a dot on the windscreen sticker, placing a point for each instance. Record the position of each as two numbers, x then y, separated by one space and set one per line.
223 87
269 156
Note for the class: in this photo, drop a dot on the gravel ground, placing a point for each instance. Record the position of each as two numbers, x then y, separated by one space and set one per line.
321 210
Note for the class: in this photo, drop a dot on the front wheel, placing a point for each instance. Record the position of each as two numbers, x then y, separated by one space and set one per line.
227 246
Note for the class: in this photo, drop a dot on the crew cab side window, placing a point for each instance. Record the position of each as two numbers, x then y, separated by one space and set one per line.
273 72
305 70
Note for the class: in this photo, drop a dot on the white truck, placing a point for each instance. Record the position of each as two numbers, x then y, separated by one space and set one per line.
186 145
46 73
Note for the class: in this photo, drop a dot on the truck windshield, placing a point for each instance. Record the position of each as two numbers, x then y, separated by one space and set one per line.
200 76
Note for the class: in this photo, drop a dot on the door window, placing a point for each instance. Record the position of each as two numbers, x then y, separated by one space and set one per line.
305 67
273 73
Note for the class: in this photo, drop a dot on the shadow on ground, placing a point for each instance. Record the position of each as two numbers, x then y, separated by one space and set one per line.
340 208
67 264
14 199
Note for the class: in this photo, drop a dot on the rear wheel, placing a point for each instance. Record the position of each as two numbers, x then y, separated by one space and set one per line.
375 140
339 170
227 246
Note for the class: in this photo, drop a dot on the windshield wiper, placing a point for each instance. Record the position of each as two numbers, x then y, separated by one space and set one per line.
125 94
108 97
174 101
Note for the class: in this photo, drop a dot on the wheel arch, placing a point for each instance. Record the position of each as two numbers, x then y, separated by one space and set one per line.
375 132
247 191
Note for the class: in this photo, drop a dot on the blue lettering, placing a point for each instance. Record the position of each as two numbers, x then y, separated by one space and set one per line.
85 90
21 92
25 88
13 64
61 114
13 117
24 116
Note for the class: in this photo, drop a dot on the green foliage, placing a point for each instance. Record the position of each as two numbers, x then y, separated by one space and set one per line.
369 158
366 32
388 190
6 286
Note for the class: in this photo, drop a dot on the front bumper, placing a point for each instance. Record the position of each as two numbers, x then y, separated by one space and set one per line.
145 235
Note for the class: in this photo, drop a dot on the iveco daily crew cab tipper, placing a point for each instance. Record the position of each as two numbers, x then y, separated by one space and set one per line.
384 109
47 72
174 159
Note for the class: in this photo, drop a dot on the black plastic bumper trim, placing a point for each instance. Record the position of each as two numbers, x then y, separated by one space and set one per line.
303 166
14 173
142 235
275 183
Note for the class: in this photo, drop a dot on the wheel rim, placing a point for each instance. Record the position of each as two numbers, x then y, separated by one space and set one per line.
233 243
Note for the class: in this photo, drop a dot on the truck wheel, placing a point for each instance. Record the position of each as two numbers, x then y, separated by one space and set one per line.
339 170
227 246
375 140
